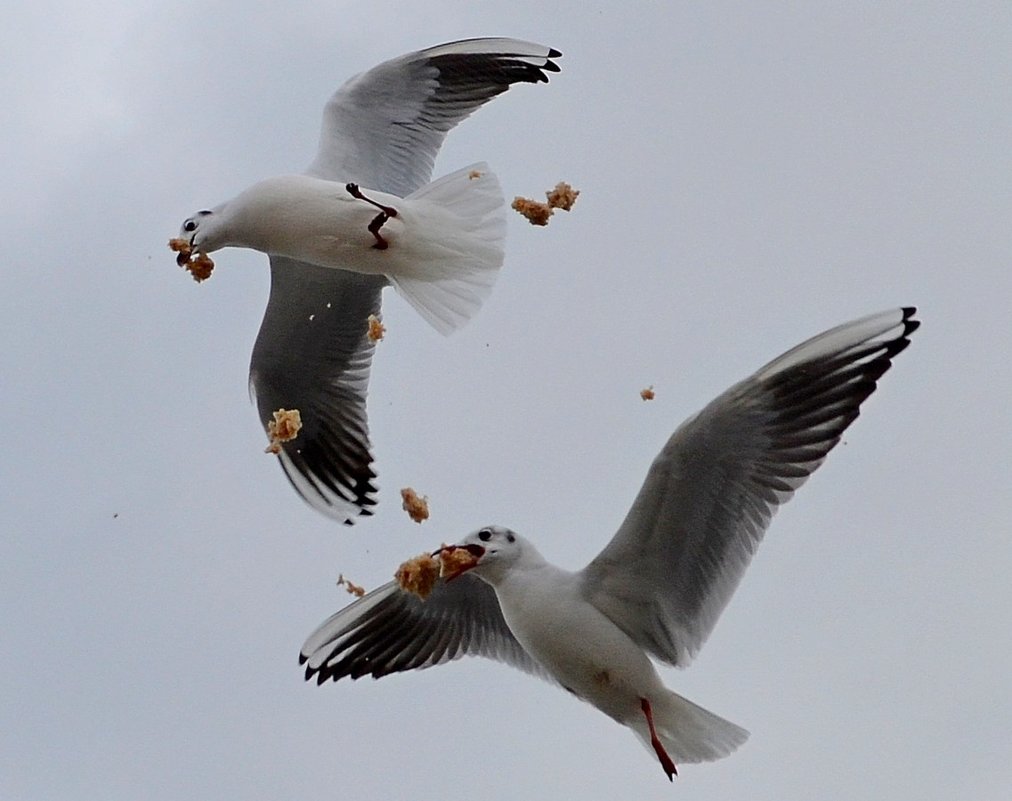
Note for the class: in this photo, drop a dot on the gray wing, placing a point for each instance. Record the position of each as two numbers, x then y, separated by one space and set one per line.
383 130
390 630
313 354
710 494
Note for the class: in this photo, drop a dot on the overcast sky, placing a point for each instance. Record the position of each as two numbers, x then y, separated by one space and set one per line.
751 174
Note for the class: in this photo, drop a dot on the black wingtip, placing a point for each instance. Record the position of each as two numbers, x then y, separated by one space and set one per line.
553 53
365 511
302 658
909 324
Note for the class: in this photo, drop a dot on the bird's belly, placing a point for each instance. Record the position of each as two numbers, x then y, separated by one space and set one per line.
587 654
342 241
420 240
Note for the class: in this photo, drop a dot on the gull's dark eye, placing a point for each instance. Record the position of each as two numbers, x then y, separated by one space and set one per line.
485 534
190 225
510 537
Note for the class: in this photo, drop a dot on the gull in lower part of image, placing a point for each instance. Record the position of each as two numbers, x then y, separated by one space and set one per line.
657 589
363 216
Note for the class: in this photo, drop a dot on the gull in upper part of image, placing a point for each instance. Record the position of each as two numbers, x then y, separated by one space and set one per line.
362 216
441 247
657 589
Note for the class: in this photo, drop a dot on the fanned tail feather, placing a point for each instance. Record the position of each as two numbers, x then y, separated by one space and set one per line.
688 732
449 284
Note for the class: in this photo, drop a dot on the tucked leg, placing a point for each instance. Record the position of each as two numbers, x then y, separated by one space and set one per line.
662 755
386 212
355 192
374 229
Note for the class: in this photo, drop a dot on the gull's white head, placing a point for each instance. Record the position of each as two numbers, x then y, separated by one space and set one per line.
497 550
204 230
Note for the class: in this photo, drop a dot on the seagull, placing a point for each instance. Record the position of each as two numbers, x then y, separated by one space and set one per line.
441 247
657 589
362 216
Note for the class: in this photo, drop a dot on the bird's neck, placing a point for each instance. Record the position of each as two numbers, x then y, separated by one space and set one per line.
529 576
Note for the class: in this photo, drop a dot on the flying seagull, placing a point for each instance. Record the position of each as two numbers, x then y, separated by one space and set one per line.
441 247
657 589
365 206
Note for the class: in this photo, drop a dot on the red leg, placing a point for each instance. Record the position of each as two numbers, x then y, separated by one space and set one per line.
662 755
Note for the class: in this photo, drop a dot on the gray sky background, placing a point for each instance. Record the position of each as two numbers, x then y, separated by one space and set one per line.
752 174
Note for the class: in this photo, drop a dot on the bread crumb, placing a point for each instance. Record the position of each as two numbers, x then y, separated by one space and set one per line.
415 505
351 587
199 266
180 246
418 575
283 428
648 393
535 212
474 174
376 328
454 561
563 196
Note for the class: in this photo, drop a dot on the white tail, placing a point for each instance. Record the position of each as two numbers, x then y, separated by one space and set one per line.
689 732
457 246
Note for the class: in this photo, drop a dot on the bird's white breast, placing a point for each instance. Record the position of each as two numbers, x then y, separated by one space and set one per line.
301 216
582 648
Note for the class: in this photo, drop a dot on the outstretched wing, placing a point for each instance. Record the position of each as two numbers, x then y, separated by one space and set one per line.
313 354
383 128
390 630
711 492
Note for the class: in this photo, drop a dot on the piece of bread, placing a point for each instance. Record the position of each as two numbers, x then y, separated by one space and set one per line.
535 212
376 328
199 266
283 428
354 589
454 561
419 575
415 505
563 196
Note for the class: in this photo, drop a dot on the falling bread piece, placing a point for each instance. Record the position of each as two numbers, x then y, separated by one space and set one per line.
376 328
415 505
283 428
648 393
536 213
563 196
354 589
